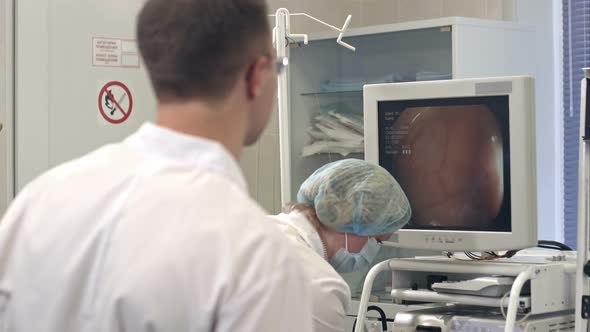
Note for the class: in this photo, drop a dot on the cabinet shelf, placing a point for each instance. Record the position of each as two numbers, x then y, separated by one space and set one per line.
338 156
356 93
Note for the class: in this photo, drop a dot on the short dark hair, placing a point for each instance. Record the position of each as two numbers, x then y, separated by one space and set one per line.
196 48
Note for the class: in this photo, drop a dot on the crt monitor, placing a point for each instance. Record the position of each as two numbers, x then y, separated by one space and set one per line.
463 152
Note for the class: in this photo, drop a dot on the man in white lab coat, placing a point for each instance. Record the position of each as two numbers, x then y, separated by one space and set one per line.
157 233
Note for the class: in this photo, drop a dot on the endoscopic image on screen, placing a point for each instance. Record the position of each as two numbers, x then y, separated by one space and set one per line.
452 159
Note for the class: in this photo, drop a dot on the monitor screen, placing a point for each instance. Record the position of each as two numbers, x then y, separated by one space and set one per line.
463 151
451 157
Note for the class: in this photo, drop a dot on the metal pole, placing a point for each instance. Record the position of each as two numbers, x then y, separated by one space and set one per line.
281 33
523 273
514 297
366 294
582 281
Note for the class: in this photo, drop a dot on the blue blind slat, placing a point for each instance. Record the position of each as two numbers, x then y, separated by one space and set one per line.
576 51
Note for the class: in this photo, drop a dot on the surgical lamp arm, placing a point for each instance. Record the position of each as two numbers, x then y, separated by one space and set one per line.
306 37
339 40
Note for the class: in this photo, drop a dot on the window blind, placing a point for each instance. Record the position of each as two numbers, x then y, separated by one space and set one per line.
576 55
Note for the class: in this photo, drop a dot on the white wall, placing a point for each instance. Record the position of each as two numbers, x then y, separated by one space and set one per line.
393 11
375 12
545 15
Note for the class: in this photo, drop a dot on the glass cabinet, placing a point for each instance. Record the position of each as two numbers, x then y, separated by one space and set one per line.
326 89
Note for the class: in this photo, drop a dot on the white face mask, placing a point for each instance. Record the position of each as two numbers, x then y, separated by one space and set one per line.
346 262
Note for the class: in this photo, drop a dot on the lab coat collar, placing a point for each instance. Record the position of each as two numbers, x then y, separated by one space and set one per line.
309 233
192 151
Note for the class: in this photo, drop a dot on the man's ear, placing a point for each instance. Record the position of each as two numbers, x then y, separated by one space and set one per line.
257 73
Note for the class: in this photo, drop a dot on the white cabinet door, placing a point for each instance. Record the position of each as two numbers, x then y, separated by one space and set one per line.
6 102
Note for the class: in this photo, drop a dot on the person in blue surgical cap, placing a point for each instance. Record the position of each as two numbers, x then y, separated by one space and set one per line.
343 212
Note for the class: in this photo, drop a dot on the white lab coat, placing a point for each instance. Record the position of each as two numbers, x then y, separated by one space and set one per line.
331 294
153 234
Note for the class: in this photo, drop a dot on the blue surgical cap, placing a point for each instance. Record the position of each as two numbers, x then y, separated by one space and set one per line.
357 197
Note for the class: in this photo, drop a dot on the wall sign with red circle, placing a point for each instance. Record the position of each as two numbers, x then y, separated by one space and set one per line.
115 102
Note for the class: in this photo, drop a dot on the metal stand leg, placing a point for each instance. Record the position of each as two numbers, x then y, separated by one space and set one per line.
582 281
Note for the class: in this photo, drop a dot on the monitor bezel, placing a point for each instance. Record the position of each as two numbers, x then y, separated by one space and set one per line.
520 90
